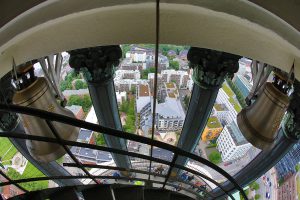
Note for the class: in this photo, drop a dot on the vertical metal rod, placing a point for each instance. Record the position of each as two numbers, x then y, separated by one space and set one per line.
170 169
50 125
155 79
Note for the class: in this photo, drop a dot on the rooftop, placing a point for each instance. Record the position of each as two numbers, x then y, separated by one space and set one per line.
170 108
171 95
84 135
236 134
213 122
74 108
143 90
220 107
170 85
76 92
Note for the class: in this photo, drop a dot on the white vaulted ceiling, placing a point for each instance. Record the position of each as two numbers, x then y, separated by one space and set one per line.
260 31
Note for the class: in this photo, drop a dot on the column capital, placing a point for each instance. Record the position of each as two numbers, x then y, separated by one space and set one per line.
291 120
96 63
210 67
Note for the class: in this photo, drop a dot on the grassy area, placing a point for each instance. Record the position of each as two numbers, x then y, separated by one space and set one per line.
235 104
228 91
213 122
29 172
7 150
231 95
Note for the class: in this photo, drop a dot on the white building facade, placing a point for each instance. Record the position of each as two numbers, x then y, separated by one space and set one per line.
223 98
231 143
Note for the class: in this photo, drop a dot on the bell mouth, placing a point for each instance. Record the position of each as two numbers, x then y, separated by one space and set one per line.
54 155
252 136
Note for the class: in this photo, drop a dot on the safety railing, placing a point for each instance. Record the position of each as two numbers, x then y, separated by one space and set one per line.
169 180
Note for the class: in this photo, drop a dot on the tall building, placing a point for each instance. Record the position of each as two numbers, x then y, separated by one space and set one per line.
223 98
212 130
286 165
143 107
231 143
180 78
128 74
221 111
242 84
170 114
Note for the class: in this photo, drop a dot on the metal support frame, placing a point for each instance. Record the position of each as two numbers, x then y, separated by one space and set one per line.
10 122
210 68
97 65
112 132
288 136
59 139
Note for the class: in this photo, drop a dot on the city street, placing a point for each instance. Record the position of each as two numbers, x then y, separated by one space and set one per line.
264 186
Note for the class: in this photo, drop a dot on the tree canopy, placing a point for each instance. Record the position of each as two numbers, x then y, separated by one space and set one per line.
147 71
215 157
84 101
127 107
79 84
254 186
174 64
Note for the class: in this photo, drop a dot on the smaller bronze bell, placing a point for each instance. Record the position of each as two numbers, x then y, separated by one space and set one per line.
260 121
35 93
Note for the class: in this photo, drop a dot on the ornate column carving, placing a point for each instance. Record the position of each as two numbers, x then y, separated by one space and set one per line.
98 67
210 68
97 63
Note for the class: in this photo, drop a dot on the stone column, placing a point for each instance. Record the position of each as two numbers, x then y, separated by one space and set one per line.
10 122
98 67
288 136
210 68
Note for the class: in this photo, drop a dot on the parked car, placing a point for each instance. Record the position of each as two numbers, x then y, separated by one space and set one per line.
227 163
268 195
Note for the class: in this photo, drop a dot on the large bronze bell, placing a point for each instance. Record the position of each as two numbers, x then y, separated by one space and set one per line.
38 95
260 121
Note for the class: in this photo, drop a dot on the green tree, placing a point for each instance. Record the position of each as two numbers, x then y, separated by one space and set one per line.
84 101
297 167
247 192
127 107
79 84
65 85
257 196
215 157
254 186
133 90
99 139
74 100
186 101
237 92
174 64
147 71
